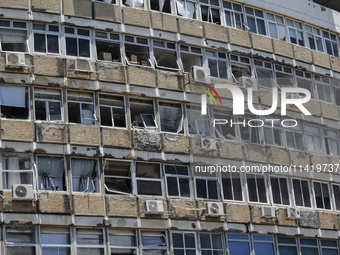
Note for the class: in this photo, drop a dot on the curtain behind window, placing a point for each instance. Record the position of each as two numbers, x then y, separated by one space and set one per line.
50 173
83 173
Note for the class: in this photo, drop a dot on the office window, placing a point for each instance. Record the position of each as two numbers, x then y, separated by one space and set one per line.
276 27
190 56
263 245
55 241
314 38
331 43
165 55
112 111
171 117
240 67
309 246
48 104
256 188
46 38
284 76
184 243
287 245
322 195
232 186
90 241
77 42
264 73
272 132
186 8
14 102
248 133
51 173
224 131
323 88
329 247
161 6
206 185
117 177
142 114
137 50
255 21
238 244
134 3
304 80
13 35
122 242
336 190
149 179
313 138
336 87
85 175
80 107
280 190
210 11
332 142
295 31
198 124
154 242
108 46
233 15
218 64
301 193
177 179
20 240
294 137
16 169
211 244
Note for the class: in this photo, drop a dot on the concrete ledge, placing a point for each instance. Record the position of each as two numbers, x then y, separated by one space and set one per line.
51 133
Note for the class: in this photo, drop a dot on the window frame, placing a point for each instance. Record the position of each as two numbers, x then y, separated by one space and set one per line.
246 119
189 52
218 59
327 143
302 194
190 120
154 114
178 176
90 246
296 245
277 24
322 82
34 244
211 249
334 43
308 246
182 123
314 136
107 191
78 37
248 240
257 189
297 30
136 43
27 104
160 179
295 132
256 20
52 231
47 105
166 49
151 232
242 182
233 12
210 7
13 28
211 177
312 33
184 243
322 194
126 232
109 40
273 127
185 2
264 242
264 67
288 189
46 32
111 107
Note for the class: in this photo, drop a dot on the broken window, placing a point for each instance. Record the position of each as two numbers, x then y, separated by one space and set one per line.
198 124
177 181
16 169
81 107
108 46
218 64
206 185
149 179
331 43
90 241
211 244
255 21
272 132
117 175
14 102
263 245
233 15
301 193
287 245
284 76
309 246
154 242
122 242
280 190
322 195
161 5
46 38
323 88
295 31
134 3
186 8
276 27
20 240
249 133
47 104
184 243
137 51
171 117
165 55
304 80
51 174
329 247
77 42
142 114
257 190
264 73
232 186
238 244
336 87
85 175
314 38
240 67
294 137
13 35
55 240
332 142
190 56
313 138
210 11
225 130
112 111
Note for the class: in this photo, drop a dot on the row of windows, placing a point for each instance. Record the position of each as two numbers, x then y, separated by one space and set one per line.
174 181
99 241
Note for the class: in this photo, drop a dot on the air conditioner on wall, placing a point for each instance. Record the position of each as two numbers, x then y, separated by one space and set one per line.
15 58
208 144
215 209
23 191
154 206
267 212
83 65
293 213
201 74
247 82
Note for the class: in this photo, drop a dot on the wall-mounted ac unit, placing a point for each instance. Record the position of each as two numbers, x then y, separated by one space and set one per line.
267 212
83 65
215 209
208 144
247 82
15 58
154 206
23 191
201 74
293 213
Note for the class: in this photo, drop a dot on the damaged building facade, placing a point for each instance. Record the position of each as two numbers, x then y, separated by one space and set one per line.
101 128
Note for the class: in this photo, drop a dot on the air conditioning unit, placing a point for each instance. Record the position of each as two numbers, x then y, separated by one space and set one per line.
154 206
201 74
15 58
83 65
23 191
293 213
268 212
208 144
215 209
247 82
